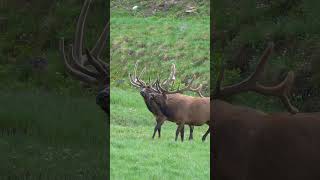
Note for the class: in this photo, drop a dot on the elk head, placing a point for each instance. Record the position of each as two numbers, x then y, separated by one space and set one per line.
88 68
147 88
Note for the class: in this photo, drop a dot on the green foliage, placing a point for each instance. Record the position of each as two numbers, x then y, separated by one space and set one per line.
292 25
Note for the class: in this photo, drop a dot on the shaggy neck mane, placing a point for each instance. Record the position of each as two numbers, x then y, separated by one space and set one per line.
166 111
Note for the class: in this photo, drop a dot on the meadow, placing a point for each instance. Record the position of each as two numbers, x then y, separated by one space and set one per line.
156 41
135 155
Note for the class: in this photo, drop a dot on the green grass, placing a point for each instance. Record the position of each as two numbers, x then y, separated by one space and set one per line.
51 135
134 155
157 43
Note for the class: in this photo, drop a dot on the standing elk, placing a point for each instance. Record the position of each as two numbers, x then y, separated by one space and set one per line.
146 90
89 68
249 144
183 109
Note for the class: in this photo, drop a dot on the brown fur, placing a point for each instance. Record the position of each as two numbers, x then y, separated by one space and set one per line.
183 109
251 145
155 110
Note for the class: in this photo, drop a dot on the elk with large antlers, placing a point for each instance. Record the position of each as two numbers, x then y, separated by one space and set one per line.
183 109
148 88
89 67
250 144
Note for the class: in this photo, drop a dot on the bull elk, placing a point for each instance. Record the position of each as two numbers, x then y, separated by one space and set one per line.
249 144
89 68
183 109
148 88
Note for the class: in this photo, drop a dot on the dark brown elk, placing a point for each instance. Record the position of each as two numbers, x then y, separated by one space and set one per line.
146 89
88 68
183 109
249 144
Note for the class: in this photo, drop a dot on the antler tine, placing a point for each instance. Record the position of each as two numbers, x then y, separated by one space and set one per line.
282 90
96 64
219 82
186 88
101 42
78 39
142 72
153 86
138 78
197 90
172 76
78 74
250 82
135 70
79 66
133 82
136 81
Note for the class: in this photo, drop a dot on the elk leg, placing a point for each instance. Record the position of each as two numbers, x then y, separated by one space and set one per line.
205 135
156 128
178 130
159 132
154 132
159 129
182 133
191 132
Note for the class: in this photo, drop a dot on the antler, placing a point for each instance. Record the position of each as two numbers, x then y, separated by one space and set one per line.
87 67
172 78
136 81
282 90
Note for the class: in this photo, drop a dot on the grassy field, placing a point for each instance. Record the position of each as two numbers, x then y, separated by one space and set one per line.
51 136
134 155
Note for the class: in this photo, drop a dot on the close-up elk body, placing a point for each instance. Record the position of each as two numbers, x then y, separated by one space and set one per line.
250 144
146 90
183 109
88 68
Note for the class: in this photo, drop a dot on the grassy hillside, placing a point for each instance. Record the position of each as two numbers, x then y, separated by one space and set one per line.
157 42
